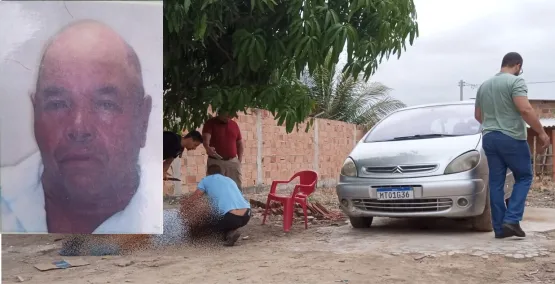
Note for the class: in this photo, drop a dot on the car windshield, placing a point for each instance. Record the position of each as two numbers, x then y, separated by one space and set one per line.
426 122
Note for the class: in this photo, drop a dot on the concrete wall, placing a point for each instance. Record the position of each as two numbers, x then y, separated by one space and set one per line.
272 154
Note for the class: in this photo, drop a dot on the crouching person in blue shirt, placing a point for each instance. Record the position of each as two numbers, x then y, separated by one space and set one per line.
230 208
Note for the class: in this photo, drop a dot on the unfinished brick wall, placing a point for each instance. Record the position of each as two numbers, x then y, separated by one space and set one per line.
336 141
283 154
545 109
323 149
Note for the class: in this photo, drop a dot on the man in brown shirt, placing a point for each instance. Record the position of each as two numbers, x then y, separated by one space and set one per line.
224 145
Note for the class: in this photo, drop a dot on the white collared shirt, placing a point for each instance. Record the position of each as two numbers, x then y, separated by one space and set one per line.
22 198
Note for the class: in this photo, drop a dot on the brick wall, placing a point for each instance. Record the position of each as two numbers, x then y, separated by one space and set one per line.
272 154
545 109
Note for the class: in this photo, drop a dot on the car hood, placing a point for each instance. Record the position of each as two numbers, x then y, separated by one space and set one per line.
410 158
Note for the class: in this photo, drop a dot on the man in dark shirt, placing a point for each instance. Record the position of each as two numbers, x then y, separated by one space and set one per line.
174 145
224 145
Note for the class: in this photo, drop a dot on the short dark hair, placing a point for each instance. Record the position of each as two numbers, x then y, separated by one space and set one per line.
195 135
213 169
511 59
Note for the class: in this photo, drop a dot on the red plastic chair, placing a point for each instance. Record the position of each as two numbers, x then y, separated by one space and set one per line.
307 185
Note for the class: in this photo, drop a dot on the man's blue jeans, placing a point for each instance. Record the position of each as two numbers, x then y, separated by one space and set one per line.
505 152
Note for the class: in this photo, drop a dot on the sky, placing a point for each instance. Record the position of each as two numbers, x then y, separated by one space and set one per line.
466 40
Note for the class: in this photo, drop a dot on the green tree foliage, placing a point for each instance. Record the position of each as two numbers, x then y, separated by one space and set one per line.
341 97
232 54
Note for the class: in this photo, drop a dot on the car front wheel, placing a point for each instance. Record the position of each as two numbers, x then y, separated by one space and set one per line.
361 222
482 223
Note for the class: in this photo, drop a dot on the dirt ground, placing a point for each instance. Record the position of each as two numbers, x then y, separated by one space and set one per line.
542 194
268 255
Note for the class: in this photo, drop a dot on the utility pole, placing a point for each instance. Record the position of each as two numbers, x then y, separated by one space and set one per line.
463 84
461 88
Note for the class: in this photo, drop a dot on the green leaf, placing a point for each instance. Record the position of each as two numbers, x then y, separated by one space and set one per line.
332 34
328 19
281 119
300 46
290 123
260 48
202 26
206 3
186 5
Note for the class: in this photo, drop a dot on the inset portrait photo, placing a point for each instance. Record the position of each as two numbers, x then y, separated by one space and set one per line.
81 117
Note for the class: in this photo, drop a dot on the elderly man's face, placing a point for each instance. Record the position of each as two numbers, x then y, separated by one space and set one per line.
90 121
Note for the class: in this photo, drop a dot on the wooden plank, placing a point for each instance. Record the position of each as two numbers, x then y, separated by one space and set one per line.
310 208
321 207
544 161
552 147
534 158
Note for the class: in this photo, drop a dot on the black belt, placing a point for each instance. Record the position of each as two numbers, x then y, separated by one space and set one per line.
223 159
247 213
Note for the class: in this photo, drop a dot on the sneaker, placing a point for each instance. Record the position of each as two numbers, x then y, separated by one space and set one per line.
231 238
513 230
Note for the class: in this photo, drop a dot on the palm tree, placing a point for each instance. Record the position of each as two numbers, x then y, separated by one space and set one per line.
343 98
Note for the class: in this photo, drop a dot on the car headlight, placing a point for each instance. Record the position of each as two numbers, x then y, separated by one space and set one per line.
463 163
349 169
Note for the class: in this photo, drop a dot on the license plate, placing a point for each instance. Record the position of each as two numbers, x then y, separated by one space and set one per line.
394 193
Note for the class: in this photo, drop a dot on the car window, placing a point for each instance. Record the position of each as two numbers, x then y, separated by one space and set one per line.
448 120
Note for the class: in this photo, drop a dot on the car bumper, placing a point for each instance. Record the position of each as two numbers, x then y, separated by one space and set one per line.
440 196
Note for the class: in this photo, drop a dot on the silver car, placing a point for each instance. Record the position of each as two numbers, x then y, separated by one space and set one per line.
422 161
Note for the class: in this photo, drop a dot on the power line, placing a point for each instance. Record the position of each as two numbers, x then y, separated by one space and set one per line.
463 84
544 82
